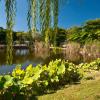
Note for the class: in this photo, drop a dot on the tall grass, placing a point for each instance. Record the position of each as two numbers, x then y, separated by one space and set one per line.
72 48
72 51
89 51
92 49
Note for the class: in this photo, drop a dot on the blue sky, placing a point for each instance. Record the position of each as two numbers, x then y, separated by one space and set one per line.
74 12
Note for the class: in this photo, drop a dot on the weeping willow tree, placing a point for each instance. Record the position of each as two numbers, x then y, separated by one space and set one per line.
42 17
47 21
34 17
10 15
55 15
45 16
55 9
31 18
46 9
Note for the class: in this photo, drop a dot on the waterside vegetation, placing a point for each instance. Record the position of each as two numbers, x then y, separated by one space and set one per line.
44 79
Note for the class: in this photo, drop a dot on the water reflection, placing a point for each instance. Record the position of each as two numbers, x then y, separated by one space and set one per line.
25 57
9 54
22 52
21 56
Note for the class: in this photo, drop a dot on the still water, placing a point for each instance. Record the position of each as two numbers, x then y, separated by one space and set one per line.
25 57
22 56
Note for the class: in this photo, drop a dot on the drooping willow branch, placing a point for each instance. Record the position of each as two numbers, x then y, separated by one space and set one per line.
47 20
42 15
55 14
32 17
10 20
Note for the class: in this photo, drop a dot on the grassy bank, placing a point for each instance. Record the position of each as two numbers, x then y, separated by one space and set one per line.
87 90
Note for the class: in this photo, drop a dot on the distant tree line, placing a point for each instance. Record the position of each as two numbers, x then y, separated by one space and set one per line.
89 31
17 36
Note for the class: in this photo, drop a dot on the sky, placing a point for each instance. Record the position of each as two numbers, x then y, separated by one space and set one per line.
71 13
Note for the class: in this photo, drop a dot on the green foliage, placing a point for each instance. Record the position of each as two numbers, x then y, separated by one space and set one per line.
40 79
60 36
8 81
17 36
2 36
73 33
94 65
90 31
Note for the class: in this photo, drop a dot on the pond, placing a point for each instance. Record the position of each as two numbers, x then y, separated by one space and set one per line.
25 57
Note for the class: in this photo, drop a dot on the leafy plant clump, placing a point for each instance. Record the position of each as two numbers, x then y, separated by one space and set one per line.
41 79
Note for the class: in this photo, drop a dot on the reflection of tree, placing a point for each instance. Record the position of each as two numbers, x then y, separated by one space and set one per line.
42 54
9 58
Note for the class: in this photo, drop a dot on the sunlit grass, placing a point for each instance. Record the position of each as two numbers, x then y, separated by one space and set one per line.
87 90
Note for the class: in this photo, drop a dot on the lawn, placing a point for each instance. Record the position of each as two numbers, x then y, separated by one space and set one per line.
87 90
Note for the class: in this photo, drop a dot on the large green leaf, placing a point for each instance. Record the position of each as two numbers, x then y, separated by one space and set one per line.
61 69
9 81
27 80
